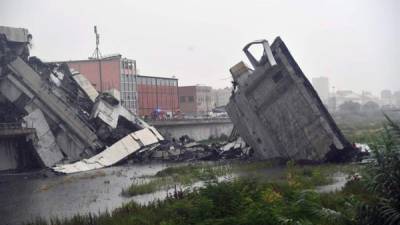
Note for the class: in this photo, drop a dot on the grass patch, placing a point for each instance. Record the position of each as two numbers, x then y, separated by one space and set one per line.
302 176
313 176
243 201
180 175
146 187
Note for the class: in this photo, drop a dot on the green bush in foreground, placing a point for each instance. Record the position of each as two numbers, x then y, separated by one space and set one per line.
382 181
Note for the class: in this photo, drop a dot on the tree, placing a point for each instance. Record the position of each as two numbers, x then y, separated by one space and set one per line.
370 106
350 107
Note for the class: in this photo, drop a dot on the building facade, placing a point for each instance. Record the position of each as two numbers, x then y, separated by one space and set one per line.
386 97
196 100
396 97
112 72
321 85
157 95
221 96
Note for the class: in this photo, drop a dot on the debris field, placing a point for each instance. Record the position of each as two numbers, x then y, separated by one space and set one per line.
274 108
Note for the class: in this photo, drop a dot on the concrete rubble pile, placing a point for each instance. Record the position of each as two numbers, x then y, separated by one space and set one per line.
77 129
189 150
277 111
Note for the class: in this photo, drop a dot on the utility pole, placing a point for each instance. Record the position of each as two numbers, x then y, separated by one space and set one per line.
97 55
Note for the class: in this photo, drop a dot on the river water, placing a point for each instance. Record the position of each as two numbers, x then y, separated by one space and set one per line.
25 197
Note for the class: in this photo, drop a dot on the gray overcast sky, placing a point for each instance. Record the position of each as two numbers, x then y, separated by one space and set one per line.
354 43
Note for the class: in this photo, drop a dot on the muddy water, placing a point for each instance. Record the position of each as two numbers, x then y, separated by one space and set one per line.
339 181
25 197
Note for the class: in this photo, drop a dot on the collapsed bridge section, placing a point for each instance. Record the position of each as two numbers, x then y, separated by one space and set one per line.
277 111
71 120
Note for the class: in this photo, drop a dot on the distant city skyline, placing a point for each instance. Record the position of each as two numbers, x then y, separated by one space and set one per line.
333 88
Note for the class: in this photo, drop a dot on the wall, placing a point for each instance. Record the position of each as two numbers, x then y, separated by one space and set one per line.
196 129
110 70
204 100
187 100
157 92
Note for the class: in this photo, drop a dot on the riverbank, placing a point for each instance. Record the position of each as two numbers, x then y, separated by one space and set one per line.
99 192
255 196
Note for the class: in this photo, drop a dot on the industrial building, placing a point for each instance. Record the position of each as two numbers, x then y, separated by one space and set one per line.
196 100
157 96
111 72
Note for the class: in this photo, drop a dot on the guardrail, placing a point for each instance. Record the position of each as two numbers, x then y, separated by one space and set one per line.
14 129
13 125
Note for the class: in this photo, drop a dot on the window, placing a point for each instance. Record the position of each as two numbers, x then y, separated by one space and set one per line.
182 98
126 86
191 99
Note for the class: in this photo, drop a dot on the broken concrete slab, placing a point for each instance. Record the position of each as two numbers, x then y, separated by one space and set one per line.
85 85
44 143
113 154
277 111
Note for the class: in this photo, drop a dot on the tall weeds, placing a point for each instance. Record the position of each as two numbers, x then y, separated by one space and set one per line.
382 180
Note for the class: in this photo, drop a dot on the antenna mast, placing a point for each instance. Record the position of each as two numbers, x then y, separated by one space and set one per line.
97 55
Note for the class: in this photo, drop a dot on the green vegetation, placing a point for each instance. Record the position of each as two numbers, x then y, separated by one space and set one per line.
147 186
243 201
364 131
182 175
307 176
382 181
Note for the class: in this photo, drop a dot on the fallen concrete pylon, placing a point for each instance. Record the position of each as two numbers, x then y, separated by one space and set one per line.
277 111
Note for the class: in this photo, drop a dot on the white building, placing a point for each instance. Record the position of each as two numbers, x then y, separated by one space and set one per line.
386 97
321 85
221 96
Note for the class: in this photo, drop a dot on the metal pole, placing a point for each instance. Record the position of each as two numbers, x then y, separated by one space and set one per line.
101 76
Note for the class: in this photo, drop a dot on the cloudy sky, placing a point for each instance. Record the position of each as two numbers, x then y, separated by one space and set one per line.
356 43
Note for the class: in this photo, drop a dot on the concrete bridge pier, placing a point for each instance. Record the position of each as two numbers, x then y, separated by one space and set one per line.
16 151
